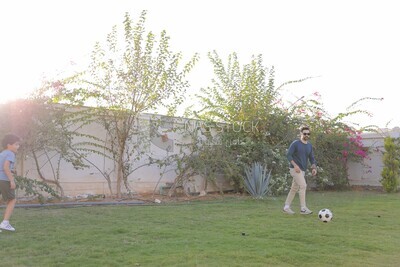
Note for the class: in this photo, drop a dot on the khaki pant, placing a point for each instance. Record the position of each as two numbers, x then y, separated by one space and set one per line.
298 184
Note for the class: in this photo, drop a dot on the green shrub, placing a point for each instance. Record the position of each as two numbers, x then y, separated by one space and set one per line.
390 172
35 188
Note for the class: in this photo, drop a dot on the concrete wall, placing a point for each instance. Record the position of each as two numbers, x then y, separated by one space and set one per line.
160 143
368 173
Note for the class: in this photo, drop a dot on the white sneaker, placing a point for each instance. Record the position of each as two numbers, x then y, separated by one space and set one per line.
305 211
7 226
288 211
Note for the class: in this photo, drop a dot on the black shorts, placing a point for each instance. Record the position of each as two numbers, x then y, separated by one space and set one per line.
5 190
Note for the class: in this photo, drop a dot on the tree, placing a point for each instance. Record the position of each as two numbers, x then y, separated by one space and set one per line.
259 127
46 139
256 127
126 77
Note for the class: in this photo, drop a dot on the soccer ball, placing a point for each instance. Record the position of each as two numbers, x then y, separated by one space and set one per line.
325 215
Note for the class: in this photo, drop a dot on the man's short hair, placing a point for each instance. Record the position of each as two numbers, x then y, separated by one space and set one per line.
9 139
304 127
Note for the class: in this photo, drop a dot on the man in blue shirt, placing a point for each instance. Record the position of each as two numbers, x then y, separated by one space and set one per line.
7 184
299 153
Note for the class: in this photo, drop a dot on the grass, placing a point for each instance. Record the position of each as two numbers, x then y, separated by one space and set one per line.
228 232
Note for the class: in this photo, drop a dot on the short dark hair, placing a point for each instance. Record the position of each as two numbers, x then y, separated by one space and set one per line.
9 139
304 127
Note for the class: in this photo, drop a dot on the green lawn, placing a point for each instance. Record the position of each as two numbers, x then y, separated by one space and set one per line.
229 232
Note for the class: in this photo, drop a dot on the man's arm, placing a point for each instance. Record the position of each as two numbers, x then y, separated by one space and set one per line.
289 156
313 162
296 167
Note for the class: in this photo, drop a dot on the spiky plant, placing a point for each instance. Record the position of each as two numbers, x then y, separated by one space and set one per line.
257 180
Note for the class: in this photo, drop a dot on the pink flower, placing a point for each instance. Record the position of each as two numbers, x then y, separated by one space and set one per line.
57 85
361 153
317 94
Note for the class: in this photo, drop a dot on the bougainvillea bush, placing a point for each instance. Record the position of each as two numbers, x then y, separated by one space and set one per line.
335 143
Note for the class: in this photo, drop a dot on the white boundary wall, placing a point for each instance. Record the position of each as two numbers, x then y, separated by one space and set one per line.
368 173
147 179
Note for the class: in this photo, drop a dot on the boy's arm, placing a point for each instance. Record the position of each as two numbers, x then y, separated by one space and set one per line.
9 174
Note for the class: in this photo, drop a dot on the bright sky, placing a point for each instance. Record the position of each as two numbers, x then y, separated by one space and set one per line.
351 46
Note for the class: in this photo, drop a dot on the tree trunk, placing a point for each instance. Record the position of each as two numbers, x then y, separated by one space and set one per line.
120 172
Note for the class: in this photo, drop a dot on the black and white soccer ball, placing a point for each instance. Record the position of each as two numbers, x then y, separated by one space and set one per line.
325 215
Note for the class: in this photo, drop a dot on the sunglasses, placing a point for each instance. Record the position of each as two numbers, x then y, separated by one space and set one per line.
306 133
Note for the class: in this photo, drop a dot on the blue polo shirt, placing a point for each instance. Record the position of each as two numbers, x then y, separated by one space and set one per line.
9 156
300 153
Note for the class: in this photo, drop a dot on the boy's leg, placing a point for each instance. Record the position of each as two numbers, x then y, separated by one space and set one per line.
5 224
9 209
9 197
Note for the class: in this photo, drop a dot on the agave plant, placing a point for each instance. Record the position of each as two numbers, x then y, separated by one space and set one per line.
257 180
